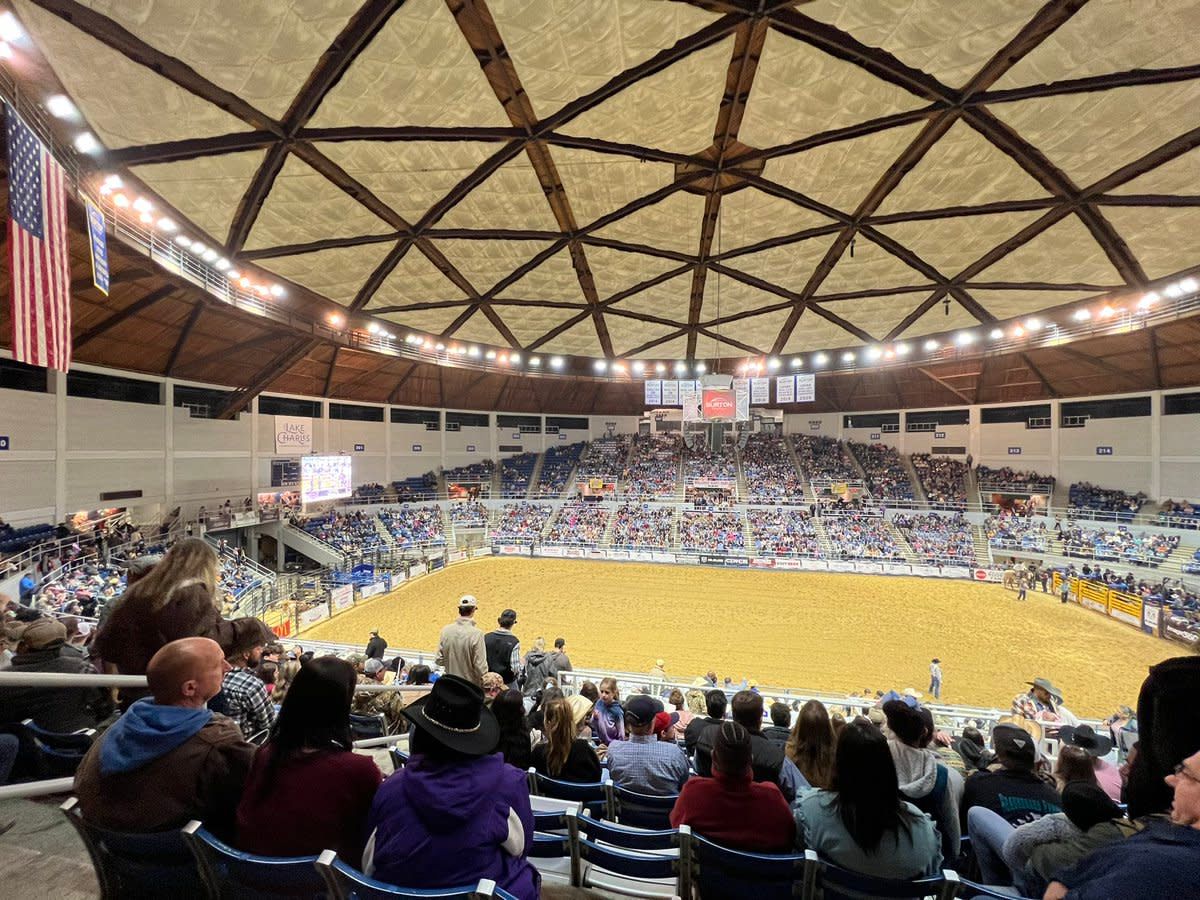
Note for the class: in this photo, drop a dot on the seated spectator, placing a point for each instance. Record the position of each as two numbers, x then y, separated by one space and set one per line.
456 813
642 525
307 789
40 648
886 475
730 808
683 715
715 703
780 728
1158 862
514 745
931 787
769 759
1009 786
943 479
1097 746
243 695
641 762
608 716
521 522
811 744
824 458
169 759
862 823
389 704
563 754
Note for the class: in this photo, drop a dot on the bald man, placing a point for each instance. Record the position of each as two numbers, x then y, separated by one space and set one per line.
169 758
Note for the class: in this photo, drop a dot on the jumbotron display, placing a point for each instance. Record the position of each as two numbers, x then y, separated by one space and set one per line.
324 478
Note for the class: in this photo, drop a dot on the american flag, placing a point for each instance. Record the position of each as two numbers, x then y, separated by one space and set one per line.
37 250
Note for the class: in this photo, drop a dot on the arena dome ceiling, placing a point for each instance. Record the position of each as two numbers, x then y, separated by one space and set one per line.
660 179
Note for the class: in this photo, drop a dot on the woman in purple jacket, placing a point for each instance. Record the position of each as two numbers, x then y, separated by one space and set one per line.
456 813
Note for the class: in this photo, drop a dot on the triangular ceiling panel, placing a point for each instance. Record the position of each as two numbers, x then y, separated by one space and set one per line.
876 315
265 59
668 300
145 109
479 328
616 270
528 323
486 263
950 245
409 176
1107 128
206 190
842 173
675 109
799 90
1011 304
815 333
337 274
418 70
672 223
676 348
870 267
578 340
708 347
726 296
1065 253
789 266
947 39
564 49
962 169
429 321
554 279
600 183
750 215
1163 239
305 206
936 320
1112 36
757 331
415 280
511 198
627 333
1179 176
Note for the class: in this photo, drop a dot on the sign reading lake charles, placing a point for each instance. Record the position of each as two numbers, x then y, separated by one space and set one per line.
293 434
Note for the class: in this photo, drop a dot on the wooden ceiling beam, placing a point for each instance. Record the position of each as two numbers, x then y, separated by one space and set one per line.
184 334
394 396
137 306
191 148
654 342
240 399
333 359
942 382
1155 364
1086 85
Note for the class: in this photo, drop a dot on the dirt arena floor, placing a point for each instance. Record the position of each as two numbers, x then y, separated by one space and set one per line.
812 630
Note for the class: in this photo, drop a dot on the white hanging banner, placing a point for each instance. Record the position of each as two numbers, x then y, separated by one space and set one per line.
806 388
760 391
689 399
785 389
670 393
654 392
741 399
294 435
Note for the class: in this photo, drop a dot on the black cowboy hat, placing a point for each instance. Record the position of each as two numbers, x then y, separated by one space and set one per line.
453 714
1085 738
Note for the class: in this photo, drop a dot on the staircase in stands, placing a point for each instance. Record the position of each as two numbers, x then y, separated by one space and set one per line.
823 540
384 533
448 527
743 491
983 550
902 542
749 532
810 495
535 477
917 486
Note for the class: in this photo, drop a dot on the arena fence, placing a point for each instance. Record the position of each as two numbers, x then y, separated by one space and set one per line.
1129 609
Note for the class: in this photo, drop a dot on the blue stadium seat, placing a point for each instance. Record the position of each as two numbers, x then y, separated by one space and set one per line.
367 726
130 866
640 810
230 874
399 758
58 754
829 882
721 872
593 794
345 883
627 861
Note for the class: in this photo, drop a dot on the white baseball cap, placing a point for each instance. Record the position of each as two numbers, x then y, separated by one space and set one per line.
468 600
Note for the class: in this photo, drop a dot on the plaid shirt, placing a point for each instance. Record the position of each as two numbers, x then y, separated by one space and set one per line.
647 765
247 701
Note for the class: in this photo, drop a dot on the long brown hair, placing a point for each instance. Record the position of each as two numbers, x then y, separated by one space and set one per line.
192 560
812 744
560 734
1074 764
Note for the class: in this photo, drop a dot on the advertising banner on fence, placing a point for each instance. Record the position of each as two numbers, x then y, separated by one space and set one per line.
870 568
314 615
550 551
814 565
660 557
793 564
1150 618
371 590
897 568
925 571
760 563
1093 596
956 572
618 554
342 597
1125 608
837 565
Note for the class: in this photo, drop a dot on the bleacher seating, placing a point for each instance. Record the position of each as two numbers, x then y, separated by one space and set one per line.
640 525
771 475
712 531
1011 481
468 514
1180 514
653 469
1146 549
516 473
887 477
1008 532
859 536
416 488
479 473
783 531
944 480
938 540
557 466
368 493
824 458
346 532
521 522
604 457
15 540
1124 506
413 526
580 524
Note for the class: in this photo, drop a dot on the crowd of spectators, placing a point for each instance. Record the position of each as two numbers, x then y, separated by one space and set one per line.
824 458
416 488
521 522
515 474
579 523
1084 495
1145 549
1009 480
862 537
771 475
1180 514
604 457
943 479
712 531
347 532
412 526
783 531
887 477
477 473
468 514
368 493
641 525
653 470
713 465
1009 532
557 466
939 539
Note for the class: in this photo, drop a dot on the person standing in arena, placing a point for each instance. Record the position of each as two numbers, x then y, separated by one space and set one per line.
461 649
935 678
503 648
375 646
1022 585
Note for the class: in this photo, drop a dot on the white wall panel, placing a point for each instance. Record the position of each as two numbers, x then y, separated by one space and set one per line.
1181 436
222 476
111 425
26 484
210 434
27 419
1127 437
88 478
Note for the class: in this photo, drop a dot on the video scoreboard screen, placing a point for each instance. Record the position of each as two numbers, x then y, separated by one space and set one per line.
324 478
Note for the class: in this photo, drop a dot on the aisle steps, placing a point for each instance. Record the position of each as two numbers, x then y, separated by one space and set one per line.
535 477
917 485
902 543
983 550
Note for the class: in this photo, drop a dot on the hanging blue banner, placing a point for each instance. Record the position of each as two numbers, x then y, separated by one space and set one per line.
99 241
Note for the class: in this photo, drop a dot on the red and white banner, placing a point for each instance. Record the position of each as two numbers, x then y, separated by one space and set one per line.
718 404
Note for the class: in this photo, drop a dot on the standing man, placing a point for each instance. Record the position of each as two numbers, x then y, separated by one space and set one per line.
558 661
461 649
935 678
504 648
1022 585
375 646
243 693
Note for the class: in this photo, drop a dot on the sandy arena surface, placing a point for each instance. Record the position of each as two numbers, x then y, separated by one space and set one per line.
803 629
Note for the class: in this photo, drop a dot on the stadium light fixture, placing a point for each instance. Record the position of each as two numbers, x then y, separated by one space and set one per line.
680 368
660 368
535 361
491 354
931 345
146 219
820 359
277 290
874 353
165 224
619 368
773 363
1189 285
337 320
373 327
502 359
61 107
6 52
1082 315
1147 301
600 365
10 29
1106 312
1018 331
439 347
222 264
638 367
209 255
514 359
1174 291
141 204
556 362
964 339
120 201
233 274
183 240
110 184
473 351
848 356
1033 324
701 368
797 362
86 143
198 247
903 349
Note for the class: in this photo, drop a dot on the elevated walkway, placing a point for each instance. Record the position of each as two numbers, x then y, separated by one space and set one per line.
315 549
